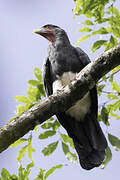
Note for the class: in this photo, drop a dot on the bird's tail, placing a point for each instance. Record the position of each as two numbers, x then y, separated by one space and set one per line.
89 160
90 144
89 140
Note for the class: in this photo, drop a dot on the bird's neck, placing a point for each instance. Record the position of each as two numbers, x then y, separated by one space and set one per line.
61 41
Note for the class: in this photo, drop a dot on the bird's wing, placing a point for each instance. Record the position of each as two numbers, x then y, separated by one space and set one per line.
93 92
94 130
47 77
82 56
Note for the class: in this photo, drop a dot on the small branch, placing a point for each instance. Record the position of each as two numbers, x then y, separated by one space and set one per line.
43 110
108 92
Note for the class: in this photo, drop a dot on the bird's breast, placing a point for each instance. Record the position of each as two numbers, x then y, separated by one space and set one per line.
82 106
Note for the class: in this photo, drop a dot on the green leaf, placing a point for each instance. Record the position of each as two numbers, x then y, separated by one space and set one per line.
41 89
114 106
116 31
115 115
114 21
14 177
104 78
27 170
67 139
105 115
5 174
82 39
111 78
116 69
113 10
113 42
115 86
100 88
47 125
22 153
51 170
30 165
10 120
100 31
98 44
47 134
115 142
30 150
70 156
56 125
98 12
88 22
33 94
50 148
18 142
34 82
103 20
21 109
85 29
99 117
51 119
22 99
21 173
38 74
40 175
108 157
36 128
112 96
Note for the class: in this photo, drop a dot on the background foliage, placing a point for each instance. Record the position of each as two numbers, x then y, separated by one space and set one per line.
102 19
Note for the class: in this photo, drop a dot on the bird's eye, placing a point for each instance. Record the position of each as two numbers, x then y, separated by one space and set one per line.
48 28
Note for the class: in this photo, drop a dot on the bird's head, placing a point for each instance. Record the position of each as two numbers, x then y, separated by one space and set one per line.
52 33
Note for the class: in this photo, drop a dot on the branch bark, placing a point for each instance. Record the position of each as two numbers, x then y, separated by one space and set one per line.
61 101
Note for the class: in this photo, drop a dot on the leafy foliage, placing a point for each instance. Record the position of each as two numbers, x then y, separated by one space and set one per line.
102 21
105 21
43 174
27 148
22 173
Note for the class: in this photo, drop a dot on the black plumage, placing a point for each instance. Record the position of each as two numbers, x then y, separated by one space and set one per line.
80 121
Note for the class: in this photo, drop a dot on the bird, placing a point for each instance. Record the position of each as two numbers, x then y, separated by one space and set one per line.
61 66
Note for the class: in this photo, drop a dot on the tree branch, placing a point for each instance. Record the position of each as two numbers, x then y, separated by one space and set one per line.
61 101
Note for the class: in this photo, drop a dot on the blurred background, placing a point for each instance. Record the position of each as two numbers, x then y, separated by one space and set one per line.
20 52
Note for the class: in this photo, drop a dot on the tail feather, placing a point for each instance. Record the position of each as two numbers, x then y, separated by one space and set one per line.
89 160
89 140
94 155
94 132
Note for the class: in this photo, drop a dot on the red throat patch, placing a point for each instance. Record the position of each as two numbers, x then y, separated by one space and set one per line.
50 37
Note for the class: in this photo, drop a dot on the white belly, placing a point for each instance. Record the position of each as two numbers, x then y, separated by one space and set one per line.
82 107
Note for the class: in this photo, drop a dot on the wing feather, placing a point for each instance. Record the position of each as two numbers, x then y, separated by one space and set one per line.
47 77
